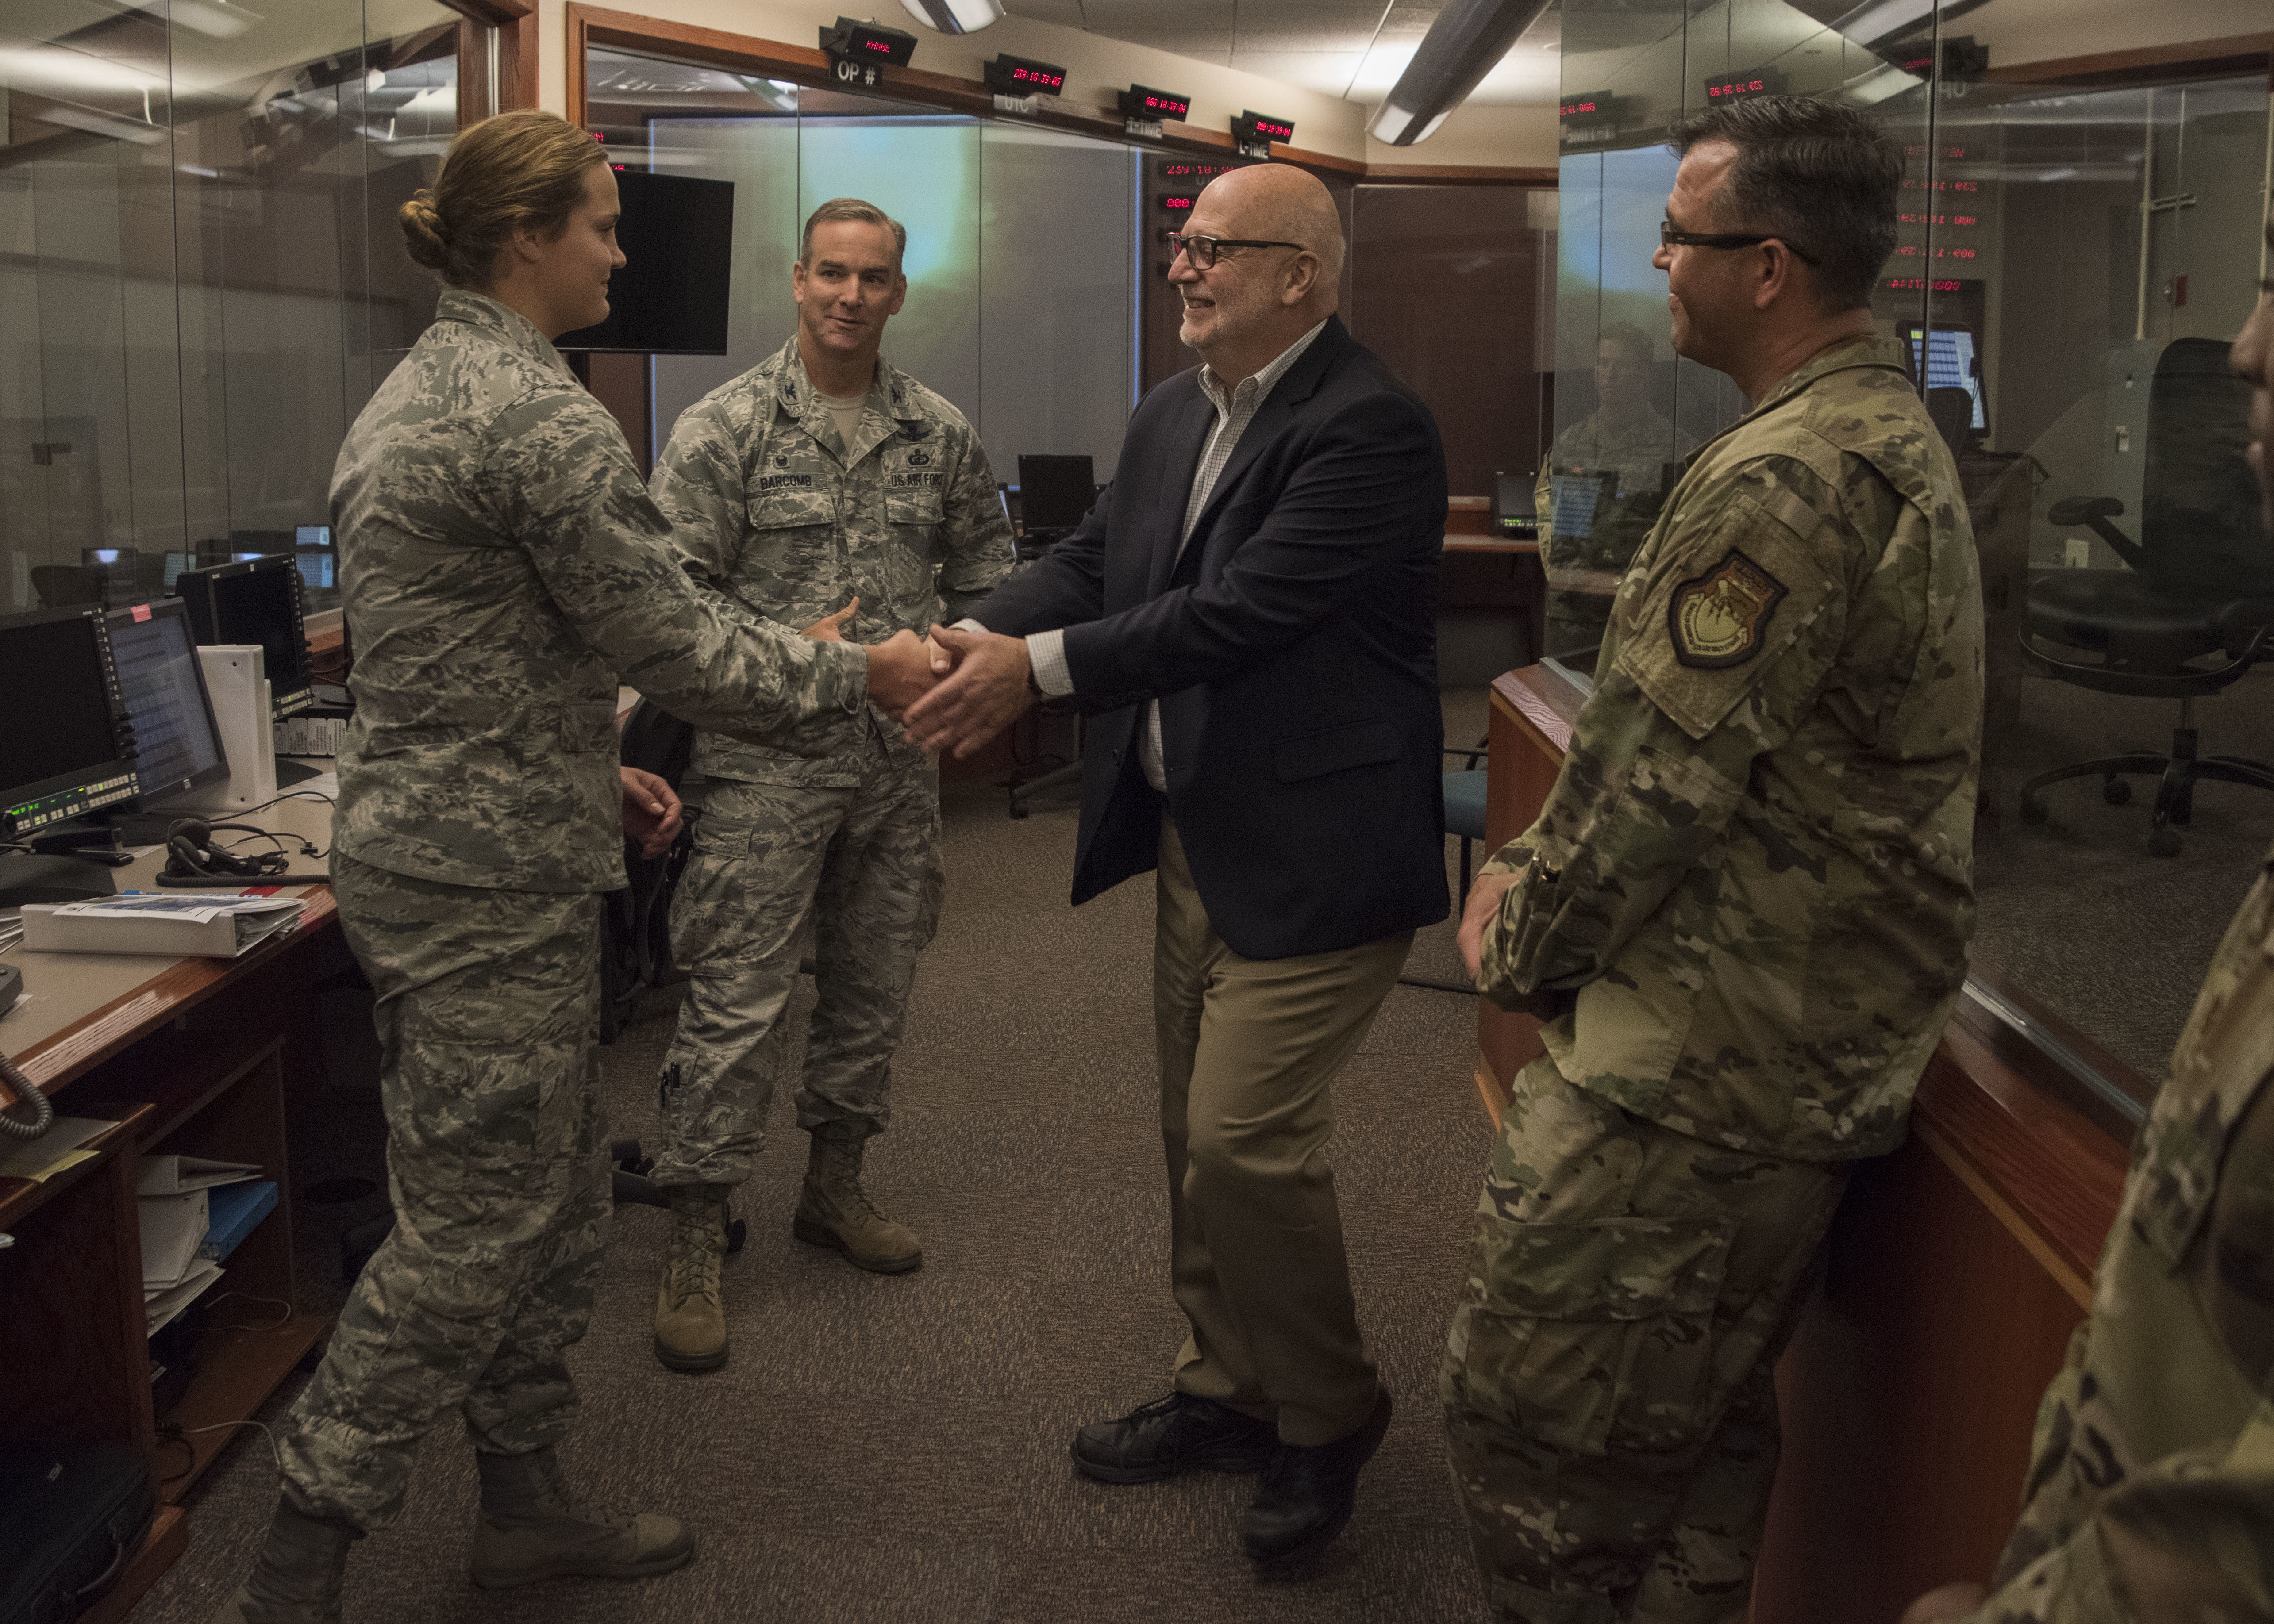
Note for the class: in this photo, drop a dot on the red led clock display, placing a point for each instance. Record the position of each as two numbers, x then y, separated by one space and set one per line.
1038 79
1177 205
1277 131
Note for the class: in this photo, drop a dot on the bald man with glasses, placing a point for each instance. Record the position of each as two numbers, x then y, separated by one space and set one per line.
1248 614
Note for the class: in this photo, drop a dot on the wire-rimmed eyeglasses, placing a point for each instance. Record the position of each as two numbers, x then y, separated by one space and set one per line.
1669 237
1203 250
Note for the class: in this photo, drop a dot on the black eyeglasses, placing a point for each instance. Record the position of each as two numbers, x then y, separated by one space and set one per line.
1202 251
1669 237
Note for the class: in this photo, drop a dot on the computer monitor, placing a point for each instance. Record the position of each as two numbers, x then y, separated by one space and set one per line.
176 742
67 749
257 601
1946 356
1055 493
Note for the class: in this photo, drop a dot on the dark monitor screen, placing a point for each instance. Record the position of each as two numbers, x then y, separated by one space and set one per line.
60 752
1055 491
258 601
1516 496
176 745
671 297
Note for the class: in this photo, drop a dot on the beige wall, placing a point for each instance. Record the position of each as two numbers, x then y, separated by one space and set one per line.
2025 31
1096 68
1487 137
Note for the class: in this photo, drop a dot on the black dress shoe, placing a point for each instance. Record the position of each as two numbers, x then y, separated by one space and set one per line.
1179 1433
1305 1496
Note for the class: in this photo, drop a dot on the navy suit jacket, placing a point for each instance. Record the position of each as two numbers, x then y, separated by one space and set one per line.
1292 648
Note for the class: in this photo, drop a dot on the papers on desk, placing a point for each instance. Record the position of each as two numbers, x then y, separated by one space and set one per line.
39 1160
179 1175
216 925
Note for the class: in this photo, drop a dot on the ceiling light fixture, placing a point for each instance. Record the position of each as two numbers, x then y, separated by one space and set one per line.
1466 42
955 16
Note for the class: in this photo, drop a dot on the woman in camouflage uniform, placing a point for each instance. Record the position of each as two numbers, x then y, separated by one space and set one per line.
503 570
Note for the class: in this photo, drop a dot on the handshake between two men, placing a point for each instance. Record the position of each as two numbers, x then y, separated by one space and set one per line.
953 690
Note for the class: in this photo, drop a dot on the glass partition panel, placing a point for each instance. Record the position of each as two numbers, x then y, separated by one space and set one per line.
206 280
2118 253
2070 265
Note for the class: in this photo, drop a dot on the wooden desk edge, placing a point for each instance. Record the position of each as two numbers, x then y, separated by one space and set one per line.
56 1059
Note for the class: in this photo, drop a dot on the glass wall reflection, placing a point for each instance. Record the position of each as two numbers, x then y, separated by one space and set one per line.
2071 265
204 283
1037 354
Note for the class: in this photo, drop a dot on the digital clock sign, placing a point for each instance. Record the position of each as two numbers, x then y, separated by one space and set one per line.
856 50
1595 107
1178 203
1020 76
1731 86
1261 126
1144 101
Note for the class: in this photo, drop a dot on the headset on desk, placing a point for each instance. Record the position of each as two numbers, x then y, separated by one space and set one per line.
193 860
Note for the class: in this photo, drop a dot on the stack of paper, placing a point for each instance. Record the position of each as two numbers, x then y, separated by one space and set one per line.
180 1175
215 924
173 1273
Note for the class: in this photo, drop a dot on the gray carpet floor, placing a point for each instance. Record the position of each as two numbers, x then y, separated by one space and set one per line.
2076 910
891 1450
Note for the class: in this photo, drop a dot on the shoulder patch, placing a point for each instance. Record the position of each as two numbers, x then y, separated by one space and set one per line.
1720 618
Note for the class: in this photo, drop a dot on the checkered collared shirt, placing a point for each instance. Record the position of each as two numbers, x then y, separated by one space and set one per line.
1235 410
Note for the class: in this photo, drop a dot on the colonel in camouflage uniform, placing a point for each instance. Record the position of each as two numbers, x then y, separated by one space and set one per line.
794 501
1742 914
2152 1493
1626 438
503 570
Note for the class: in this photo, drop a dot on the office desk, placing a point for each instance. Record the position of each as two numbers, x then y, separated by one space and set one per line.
1954 1273
199 1056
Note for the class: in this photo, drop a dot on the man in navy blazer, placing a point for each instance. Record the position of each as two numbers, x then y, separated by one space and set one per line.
1248 616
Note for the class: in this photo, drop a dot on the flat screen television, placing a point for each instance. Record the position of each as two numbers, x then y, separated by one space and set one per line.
671 297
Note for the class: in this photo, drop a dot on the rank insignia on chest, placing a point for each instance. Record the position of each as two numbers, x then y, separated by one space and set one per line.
781 459
1721 618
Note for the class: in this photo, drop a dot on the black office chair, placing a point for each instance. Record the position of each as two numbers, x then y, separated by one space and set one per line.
2199 585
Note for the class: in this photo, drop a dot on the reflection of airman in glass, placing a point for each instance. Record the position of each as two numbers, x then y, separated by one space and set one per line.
1625 434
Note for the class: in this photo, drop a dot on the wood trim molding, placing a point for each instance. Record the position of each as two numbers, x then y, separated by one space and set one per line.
591 25
2233 53
493 13
1456 175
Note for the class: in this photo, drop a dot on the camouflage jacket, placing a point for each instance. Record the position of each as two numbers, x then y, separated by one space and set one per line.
2151 1492
1594 562
1746 902
502 569
768 508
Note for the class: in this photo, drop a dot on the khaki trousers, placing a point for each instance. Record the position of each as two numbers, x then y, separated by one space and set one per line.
1248 1048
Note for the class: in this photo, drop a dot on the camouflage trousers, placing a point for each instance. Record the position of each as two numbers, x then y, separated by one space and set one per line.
857 871
487 1010
1607 1382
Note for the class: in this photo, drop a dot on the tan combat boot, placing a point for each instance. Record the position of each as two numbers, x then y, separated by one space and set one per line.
298 1578
690 1317
831 1211
534 1527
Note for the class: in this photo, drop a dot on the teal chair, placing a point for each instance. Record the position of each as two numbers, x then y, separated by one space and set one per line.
1465 808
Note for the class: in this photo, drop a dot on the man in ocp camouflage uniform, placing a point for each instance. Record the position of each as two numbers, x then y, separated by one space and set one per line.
1741 913
822 475
2150 1493
1626 439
